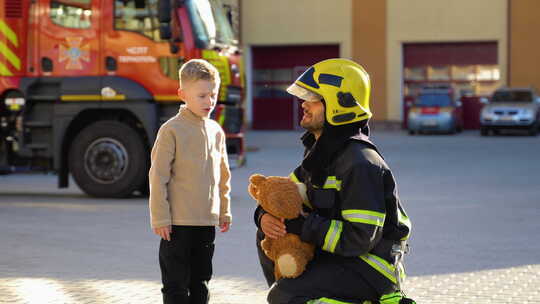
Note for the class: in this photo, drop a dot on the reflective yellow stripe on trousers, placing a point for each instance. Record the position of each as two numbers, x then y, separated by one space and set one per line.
332 301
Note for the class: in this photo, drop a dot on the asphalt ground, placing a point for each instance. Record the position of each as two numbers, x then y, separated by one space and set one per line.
474 202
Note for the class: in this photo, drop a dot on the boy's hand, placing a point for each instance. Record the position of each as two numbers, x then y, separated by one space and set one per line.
224 227
164 232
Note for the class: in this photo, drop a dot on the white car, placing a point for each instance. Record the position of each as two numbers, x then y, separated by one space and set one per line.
511 108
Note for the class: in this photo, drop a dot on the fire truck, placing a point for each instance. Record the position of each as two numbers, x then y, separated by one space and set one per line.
85 84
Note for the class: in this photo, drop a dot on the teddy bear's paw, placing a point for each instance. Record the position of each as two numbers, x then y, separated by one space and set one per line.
288 266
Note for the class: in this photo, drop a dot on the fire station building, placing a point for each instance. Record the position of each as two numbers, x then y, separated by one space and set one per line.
475 46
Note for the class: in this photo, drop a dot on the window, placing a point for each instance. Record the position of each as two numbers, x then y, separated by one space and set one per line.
272 83
512 96
138 16
438 73
415 73
71 14
488 72
434 100
210 24
464 72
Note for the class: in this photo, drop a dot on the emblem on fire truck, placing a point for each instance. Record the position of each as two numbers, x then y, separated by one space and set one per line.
74 53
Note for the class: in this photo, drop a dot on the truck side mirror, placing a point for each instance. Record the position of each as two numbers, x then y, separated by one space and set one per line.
165 31
164 11
174 48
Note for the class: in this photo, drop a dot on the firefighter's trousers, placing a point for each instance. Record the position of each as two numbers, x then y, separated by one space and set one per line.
326 276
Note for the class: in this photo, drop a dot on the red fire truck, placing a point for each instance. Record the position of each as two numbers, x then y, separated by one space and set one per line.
85 84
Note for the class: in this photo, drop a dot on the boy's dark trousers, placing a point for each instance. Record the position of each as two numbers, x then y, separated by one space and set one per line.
186 264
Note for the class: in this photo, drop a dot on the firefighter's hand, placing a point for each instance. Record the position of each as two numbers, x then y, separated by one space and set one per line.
164 232
272 226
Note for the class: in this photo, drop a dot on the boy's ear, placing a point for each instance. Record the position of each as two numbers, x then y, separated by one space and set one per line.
181 94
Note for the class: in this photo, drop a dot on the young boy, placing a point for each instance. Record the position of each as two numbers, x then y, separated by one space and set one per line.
189 187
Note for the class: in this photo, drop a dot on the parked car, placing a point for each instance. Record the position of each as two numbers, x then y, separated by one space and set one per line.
435 110
511 108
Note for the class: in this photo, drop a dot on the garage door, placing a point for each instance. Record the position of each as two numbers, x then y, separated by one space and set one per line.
274 69
470 67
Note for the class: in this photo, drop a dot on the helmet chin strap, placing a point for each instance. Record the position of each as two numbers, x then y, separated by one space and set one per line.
331 140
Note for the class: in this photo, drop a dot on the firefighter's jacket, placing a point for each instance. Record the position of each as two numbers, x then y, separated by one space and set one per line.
356 215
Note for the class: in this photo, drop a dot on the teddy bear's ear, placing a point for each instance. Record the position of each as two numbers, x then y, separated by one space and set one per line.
254 182
253 191
257 179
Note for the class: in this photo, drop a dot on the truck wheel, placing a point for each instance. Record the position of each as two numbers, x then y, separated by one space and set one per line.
108 159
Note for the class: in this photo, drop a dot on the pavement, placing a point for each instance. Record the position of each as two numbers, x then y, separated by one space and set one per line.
474 202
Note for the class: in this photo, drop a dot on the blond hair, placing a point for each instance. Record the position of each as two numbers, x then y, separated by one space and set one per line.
198 69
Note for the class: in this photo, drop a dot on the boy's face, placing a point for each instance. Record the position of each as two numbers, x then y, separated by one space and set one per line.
200 96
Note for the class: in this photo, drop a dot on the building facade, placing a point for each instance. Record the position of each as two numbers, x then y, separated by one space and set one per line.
475 46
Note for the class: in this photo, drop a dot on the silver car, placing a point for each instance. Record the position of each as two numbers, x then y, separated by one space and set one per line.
511 108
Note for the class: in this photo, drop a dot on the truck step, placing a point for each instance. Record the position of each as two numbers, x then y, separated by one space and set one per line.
43 97
38 124
38 146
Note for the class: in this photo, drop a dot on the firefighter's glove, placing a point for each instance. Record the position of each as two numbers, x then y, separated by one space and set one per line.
295 225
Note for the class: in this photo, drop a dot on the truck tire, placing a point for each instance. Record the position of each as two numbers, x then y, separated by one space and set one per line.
108 159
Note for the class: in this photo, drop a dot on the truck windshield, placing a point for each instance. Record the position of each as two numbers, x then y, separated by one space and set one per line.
210 24
512 96
434 100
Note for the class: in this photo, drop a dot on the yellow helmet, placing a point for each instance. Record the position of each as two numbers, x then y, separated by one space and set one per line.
343 84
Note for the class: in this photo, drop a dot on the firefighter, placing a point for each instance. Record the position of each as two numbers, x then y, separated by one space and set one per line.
353 215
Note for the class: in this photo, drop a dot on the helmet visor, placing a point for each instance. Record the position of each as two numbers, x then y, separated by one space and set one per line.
303 93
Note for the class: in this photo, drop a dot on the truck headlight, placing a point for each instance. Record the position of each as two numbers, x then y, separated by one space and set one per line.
15 103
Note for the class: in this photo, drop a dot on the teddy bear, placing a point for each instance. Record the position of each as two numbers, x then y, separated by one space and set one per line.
282 198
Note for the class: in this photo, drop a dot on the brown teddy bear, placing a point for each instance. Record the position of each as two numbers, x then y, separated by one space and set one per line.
282 198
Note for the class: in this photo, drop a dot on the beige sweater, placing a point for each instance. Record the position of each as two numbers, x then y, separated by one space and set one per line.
189 176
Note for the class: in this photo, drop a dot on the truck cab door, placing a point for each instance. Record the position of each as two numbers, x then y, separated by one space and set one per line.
69 43
134 51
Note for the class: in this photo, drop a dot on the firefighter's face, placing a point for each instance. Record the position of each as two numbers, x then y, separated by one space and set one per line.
313 119
200 96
